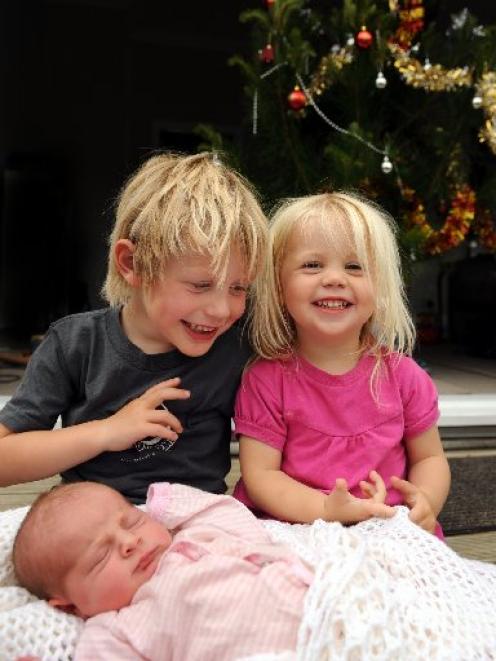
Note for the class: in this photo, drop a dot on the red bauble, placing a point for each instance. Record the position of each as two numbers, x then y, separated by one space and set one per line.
267 54
364 38
297 99
269 3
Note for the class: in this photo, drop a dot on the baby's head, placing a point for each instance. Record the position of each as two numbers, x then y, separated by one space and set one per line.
177 205
346 224
86 549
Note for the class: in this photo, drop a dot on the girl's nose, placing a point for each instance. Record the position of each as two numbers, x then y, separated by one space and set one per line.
333 278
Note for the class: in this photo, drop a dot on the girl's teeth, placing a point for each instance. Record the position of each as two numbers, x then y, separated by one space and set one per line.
332 304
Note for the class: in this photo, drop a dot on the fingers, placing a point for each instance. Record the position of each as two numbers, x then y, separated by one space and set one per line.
160 431
163 391
405 487
381 510
341 484
367 489
165 418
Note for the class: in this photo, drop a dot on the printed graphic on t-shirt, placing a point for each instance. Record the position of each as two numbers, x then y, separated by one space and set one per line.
150 446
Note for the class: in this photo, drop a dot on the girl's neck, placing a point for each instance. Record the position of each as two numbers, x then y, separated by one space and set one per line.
334 359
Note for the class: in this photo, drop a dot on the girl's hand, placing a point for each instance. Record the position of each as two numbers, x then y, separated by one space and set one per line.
341 505
141 419
421 510
375 489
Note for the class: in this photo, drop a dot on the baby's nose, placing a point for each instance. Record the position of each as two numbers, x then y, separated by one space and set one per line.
128 543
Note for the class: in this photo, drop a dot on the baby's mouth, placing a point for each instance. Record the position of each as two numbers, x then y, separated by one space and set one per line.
146 560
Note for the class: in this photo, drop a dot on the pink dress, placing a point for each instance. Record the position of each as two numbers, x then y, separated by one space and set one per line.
328 427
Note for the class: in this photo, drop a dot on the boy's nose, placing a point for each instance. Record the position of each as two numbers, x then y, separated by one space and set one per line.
219 308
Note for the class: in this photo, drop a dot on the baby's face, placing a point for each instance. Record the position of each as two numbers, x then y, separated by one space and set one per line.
116 548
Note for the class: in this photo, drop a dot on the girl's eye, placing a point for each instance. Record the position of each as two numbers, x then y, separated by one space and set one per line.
312 264
201 286
353 266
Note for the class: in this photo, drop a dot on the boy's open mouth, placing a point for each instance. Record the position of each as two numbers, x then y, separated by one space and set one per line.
199 330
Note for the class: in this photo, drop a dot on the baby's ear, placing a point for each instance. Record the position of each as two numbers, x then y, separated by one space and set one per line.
63 605
124 260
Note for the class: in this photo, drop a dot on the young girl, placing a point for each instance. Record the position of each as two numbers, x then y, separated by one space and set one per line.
335 401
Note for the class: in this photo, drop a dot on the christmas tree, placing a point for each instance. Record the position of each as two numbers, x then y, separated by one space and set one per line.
379 98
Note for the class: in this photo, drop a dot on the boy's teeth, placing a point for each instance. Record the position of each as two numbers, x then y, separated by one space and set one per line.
332 304
201 329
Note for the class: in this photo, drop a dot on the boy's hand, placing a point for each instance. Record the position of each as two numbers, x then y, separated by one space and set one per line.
341 505
140 418
421 510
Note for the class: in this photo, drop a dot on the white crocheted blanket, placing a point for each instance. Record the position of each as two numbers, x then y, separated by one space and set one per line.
384 590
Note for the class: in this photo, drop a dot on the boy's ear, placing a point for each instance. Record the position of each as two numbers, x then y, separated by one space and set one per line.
124 259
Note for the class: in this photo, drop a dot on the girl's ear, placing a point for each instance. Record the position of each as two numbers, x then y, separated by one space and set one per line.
124 250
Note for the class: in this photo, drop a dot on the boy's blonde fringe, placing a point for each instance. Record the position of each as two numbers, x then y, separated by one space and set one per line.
176 204
372 233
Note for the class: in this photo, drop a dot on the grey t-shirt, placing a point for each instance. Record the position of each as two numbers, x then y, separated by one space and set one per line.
86 369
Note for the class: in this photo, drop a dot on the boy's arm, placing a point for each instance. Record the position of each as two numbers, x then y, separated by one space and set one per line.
33 455
429 478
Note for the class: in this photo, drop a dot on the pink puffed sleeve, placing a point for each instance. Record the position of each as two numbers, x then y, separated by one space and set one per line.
419 396
259 407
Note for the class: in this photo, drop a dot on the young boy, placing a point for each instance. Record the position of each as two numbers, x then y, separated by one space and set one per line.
196 576
188 240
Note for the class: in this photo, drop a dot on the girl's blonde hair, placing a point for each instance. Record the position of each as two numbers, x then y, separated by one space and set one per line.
176 204
371 233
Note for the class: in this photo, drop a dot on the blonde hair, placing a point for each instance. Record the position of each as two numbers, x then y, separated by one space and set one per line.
40 563
371 232
175 204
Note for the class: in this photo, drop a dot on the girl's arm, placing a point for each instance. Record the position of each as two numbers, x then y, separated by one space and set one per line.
285 498
429 478
34 455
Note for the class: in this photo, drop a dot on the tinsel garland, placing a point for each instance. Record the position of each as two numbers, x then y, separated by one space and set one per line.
433 77
455 228
484 229
486 89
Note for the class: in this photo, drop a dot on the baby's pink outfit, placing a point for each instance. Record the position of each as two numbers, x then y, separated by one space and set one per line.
222 590
328 427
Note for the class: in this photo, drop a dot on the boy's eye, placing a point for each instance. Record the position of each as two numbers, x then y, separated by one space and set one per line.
239 289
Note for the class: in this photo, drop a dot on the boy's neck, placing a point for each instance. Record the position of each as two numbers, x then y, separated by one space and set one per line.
137 332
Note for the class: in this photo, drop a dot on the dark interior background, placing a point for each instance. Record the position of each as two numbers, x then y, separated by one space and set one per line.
88 89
